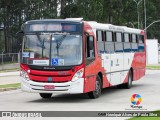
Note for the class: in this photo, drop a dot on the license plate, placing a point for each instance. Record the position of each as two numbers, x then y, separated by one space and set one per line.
49 87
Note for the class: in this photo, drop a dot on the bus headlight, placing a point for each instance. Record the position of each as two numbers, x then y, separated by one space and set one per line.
78 74
24 74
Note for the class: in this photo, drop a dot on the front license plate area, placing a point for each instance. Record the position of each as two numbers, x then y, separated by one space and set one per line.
49 87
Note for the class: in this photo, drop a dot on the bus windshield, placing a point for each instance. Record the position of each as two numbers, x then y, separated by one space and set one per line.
52 49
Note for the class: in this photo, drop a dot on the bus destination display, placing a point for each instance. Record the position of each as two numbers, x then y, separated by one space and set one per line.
52 27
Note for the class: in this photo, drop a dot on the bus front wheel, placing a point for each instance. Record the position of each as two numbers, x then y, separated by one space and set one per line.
45 95
98 88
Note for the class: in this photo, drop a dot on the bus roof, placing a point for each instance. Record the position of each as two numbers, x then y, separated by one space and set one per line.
53 20
93 24
111 27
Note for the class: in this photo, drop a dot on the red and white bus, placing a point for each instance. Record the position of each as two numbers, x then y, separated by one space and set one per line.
74 56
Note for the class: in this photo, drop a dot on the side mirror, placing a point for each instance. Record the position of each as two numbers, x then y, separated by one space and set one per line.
87 34
21 33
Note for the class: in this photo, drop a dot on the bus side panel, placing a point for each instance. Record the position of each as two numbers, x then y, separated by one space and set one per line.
135 74
106 80
126 78
106 65
138 65
89 84
142 72
91 72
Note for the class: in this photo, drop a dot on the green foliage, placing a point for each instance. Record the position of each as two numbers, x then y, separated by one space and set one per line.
16 85
13 13
153 67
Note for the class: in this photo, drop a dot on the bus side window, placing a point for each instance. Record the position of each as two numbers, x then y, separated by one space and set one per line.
118 42
134 43
141 43
90 52
109 43
127 45
100 41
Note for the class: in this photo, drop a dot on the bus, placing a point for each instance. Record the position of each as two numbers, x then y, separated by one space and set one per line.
73 56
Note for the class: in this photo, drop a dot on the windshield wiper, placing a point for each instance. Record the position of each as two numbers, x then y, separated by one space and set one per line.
59 42
41 43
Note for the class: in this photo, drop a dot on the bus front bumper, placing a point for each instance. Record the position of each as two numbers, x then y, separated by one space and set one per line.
42 87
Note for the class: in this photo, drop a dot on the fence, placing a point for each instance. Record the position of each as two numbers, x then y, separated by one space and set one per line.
9 61
9 58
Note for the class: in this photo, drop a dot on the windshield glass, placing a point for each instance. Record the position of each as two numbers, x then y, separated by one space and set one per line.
52 50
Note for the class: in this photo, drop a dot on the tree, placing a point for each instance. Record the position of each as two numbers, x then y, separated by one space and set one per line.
13 13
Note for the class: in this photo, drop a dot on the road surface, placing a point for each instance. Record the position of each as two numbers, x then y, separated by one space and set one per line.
112 99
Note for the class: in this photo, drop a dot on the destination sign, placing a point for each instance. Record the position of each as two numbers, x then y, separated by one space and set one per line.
62 27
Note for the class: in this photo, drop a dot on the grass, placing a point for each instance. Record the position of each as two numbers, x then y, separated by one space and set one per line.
16 85
148 118
153 67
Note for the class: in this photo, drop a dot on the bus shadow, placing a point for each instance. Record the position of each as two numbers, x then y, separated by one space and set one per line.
63 98
113 89
78 98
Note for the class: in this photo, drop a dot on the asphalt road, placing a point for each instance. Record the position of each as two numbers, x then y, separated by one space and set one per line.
112 99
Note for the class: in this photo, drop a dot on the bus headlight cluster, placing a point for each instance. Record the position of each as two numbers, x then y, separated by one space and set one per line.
78 74
24 74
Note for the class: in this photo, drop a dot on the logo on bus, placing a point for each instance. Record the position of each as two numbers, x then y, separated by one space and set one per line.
49 79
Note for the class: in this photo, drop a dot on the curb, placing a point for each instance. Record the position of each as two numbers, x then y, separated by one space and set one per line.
152 69
3 71
8 89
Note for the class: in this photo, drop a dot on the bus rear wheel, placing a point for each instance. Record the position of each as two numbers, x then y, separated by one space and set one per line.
130 79
45 95
95 94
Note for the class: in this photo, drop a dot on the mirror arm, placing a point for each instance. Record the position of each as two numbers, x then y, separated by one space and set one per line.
19 32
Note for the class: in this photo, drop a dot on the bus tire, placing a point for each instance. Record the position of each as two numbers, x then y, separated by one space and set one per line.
130 79
98 88
45 95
